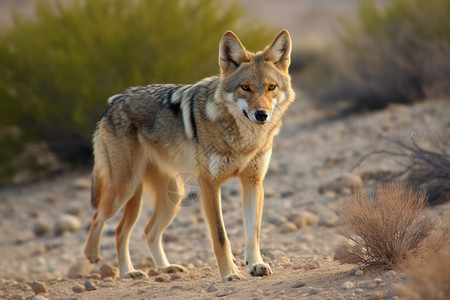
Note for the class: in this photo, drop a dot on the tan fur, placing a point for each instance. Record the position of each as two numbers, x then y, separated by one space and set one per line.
217 128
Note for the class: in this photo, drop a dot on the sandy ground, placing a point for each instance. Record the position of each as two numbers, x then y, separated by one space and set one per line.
298 228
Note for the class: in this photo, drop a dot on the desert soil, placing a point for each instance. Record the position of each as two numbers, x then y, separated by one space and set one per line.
43 225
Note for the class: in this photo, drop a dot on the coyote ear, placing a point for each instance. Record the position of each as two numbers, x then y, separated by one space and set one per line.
279 52
231 53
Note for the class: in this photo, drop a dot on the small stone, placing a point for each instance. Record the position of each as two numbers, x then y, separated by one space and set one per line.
389 274
38 287
359 272
288 227
358 291
37 297
305 219
175 276
298 284
222 293
89 286
153 272
212 288
378 280
313 291
41 228
109 271
328 219
159 279
80 269
78 289
347 285
67 223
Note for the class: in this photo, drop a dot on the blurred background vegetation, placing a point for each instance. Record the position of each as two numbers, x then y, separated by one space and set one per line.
59 63
58 67
398 52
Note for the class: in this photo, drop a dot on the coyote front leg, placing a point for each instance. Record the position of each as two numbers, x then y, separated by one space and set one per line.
253 200
213 211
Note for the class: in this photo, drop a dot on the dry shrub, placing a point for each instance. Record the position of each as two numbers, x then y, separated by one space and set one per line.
429 278
384 229
425 167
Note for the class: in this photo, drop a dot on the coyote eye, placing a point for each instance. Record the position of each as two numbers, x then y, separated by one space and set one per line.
245 87
271 87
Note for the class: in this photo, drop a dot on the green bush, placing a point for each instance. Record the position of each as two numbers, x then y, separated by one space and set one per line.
58 68
397 53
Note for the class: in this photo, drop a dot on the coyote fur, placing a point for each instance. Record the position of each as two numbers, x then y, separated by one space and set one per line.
217 128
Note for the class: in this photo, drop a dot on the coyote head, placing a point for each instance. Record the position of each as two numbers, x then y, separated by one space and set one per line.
254 84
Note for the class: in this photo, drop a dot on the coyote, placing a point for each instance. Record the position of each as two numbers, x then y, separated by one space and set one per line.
217 128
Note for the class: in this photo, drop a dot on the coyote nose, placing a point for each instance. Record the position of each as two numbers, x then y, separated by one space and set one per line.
261 115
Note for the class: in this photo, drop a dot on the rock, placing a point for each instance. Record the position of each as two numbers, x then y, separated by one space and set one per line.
389 274
288 227
175 276
347 285
89 286
358 272
342 184
37 297
41 227
80 269
160 279
358 291
67 223
212 288
109 271
305 219
222 293
298 284
78 289
153 272
38 287
328 218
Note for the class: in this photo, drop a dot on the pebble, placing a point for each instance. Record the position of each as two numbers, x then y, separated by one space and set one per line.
153 272
288 227
67 223
358 291
80 269
38 297
78 289
389 274
38 287
175 276
212 288
305 219
298 284
359 272
41 227
222 293
109 271
347 285
345 182
328 219
89 286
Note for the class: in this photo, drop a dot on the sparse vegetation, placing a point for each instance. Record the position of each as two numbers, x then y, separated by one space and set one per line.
58 67
393 54
385 229
429 278
425 167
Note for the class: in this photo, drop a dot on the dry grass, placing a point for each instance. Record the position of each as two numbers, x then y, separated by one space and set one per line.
429 278
385 229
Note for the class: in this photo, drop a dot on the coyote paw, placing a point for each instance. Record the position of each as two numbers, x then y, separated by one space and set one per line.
231 277
173 269
260 269
136 274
